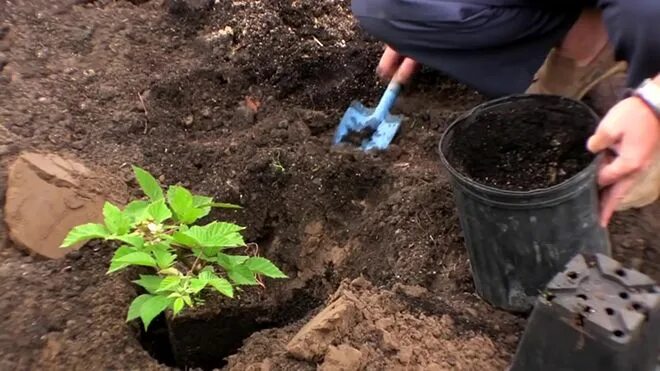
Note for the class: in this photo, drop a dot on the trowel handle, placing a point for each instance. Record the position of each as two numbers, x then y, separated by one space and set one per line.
387 101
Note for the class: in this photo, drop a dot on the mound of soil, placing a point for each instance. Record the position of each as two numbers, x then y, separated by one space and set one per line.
523 145
240 101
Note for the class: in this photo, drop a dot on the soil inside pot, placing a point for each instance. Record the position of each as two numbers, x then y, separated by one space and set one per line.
524 146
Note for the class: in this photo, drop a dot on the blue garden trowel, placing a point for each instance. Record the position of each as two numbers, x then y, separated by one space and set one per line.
371 128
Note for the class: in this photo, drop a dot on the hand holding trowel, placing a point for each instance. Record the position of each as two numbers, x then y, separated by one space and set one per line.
376 127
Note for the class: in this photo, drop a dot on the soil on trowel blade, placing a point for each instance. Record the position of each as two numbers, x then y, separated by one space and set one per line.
240 101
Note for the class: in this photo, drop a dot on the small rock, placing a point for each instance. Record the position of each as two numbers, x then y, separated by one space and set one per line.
342 358
312 341
48 195
388 342
412 291
188 120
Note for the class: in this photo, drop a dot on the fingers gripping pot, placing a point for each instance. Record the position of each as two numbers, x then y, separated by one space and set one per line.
526 192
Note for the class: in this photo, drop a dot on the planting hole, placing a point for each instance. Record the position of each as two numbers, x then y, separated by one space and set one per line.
637 306
202 339
618 333
624 296
572 275
620 272
609 311
582 296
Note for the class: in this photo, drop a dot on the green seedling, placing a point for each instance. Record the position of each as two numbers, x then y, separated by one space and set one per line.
158 232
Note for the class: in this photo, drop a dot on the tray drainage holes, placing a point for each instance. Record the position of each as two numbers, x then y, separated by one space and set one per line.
653 290
588 309
582 296
572 275
624 296
637 306
609 311
620 272
618 333
550 297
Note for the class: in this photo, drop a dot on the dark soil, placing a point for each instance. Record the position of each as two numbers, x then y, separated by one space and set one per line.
524 145
240 101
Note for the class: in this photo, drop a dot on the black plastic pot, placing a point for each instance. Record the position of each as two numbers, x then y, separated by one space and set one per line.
518 240
595 315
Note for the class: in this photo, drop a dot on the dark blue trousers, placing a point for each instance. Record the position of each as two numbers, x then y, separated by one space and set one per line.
496 46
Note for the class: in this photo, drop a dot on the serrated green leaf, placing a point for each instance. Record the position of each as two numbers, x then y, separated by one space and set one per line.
184 239
197 285
206 275
177 306
136 306
181 201
84 233
132 239
186 298
159 211
148 183
138 258
241 275
164 258
227 262
217 234
137 211
121 251
201 201
149 282
264 267
222 286
152 307
115 221
224 205
169 283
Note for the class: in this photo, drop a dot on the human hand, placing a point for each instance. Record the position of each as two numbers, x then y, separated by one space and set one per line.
630 133
394 64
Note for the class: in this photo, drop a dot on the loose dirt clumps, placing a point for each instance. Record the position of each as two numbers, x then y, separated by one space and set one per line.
371 329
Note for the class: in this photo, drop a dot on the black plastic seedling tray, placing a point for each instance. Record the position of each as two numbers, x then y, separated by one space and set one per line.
596 315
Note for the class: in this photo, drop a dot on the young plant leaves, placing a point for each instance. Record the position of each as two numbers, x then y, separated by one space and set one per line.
152 307
150 283
164 258
115 221
264 267
138 258
137 211
178 306
169 283
217 234
84 233
159 211
197 285
136 306
182 203
241 275
228 262
115 265
149 184
134 240
220 284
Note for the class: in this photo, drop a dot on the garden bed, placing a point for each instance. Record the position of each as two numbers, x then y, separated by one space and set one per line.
240 101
